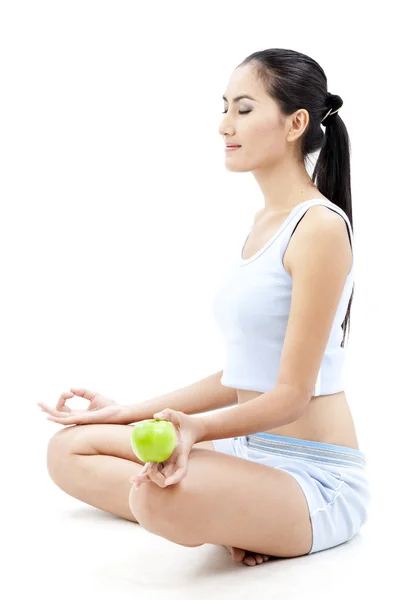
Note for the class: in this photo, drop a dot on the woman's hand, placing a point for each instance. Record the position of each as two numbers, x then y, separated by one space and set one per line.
174 469
100 409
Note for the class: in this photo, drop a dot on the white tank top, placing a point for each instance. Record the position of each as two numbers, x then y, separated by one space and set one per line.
251 308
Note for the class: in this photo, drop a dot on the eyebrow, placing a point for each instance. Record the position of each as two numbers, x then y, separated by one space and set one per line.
239 98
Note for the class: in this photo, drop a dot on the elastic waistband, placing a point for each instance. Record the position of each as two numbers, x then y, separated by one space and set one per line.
306 450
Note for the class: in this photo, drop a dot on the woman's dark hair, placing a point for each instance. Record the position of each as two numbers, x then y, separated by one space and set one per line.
294 80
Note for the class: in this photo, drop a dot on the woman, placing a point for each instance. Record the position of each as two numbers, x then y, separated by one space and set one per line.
279 472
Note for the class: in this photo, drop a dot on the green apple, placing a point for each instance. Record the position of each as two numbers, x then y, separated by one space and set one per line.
153 440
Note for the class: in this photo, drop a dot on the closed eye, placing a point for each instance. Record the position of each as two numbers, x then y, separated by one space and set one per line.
241 112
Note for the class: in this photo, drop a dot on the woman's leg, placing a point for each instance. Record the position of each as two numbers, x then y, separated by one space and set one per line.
94 463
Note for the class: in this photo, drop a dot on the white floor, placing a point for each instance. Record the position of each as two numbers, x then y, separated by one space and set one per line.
58 547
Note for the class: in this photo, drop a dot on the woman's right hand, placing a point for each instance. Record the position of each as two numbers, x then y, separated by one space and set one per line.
100 409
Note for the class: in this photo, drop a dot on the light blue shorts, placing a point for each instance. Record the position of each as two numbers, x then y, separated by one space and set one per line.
333 479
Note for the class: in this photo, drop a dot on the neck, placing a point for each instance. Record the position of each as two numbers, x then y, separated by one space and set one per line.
284 186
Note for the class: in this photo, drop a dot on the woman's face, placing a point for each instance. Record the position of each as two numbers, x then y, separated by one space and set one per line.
261 132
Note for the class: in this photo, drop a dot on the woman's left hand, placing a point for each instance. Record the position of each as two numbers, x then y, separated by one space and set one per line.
174 469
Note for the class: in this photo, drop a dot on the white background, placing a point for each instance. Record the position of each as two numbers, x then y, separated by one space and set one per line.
118 218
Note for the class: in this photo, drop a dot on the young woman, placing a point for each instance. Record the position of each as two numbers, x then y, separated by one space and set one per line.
279 472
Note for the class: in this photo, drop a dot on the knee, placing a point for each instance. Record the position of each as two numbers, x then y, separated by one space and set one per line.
157 510
59 447
65 439
146 505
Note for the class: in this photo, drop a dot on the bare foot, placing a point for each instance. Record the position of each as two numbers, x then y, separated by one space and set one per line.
246 557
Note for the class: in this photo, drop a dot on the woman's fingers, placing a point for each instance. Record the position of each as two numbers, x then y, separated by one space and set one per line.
84 393
168 470
143 476
149 472
66 421
177 476
139 479
61 417
54 412
155 475
62 400
76 418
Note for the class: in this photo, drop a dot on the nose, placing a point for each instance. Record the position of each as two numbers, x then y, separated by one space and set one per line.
227 133
225 130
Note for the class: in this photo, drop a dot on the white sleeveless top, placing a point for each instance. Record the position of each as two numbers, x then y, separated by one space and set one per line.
251 308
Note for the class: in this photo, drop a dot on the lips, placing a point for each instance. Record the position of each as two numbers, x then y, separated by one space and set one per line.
233 146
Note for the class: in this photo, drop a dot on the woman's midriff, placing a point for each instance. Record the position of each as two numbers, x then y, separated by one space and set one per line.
326 419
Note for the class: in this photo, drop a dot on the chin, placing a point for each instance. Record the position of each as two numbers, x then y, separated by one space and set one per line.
236 167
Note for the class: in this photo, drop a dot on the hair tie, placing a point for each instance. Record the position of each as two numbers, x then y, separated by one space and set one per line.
335 102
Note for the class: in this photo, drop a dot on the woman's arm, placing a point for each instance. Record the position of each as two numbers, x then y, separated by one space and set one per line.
279 406
201 396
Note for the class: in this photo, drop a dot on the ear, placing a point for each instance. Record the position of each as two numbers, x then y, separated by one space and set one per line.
299 123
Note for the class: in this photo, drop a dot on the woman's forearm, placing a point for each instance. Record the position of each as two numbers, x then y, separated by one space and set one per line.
201 396
277 407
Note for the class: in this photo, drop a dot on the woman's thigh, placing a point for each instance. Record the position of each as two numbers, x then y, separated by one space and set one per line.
94 438
106 439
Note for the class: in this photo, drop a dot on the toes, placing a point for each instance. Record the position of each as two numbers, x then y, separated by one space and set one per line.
255 559
246 557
